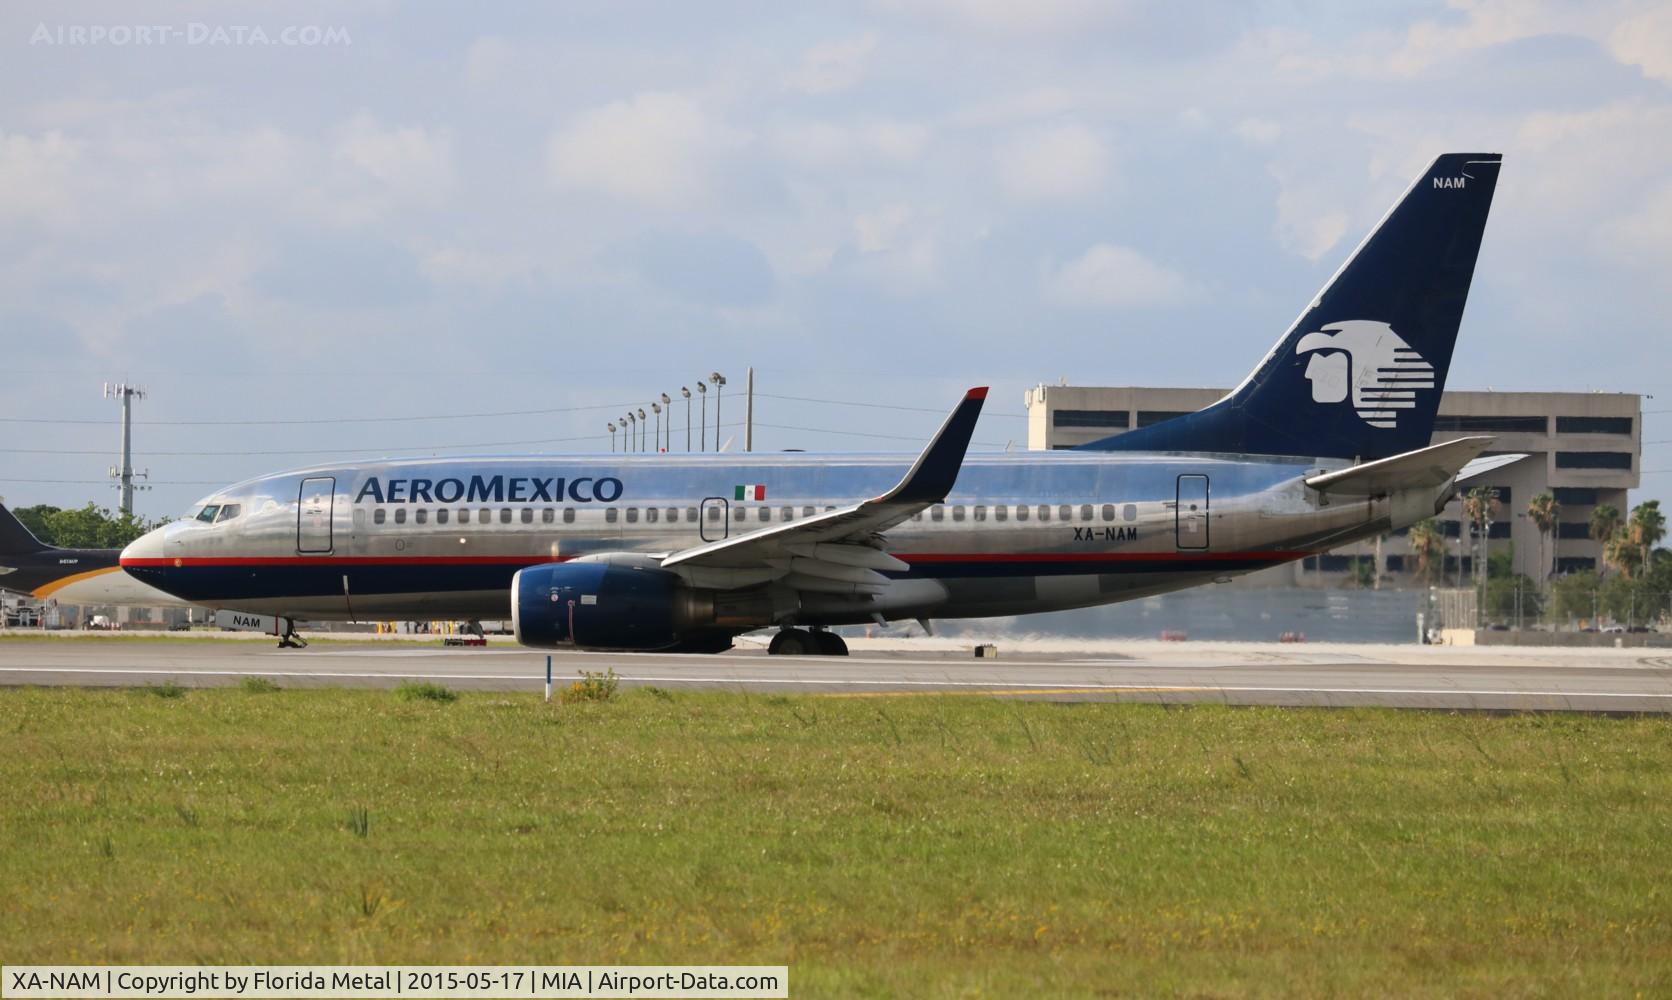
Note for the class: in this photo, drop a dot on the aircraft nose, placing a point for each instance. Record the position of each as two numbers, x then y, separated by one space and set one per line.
146 550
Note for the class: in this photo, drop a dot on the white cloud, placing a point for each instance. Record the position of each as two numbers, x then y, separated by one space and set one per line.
1260 131
35 175
657 147
404 164
1064 162
1004 17
1645 41
831 145
1107 275
833 66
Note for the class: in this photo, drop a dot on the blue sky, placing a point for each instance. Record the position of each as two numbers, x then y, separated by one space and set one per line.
574 207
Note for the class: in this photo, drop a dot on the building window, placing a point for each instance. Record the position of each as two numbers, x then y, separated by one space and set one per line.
1575 564
1396 564
1147 418
1091 418
1491 425
379 516
1498 529
1573 529
1574 496
1594 460
1593 425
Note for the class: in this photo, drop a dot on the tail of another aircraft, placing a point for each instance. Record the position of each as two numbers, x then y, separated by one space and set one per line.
1359 375
15 539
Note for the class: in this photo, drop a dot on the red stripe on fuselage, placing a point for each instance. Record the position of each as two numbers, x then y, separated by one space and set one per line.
927 558
530 560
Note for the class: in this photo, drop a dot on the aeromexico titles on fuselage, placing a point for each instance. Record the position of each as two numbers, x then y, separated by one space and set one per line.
497 488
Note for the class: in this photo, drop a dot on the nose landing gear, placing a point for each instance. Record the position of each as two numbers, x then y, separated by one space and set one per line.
807 642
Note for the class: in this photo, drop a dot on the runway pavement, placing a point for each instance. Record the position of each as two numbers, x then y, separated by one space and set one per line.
1494 678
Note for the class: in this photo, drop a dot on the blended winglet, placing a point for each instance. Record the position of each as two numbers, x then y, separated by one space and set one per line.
930 478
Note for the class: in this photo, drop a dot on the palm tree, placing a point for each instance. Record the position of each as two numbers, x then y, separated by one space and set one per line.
1545 513
1428 547
1480 505
1622 552
1604 521
1648 526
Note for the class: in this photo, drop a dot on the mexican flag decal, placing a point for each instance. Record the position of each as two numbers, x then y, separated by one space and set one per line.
752 492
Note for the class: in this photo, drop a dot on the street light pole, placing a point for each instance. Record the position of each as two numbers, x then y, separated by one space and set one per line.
719 388
641 428
667 435
632 438
612 436
686 392
702 439
656 439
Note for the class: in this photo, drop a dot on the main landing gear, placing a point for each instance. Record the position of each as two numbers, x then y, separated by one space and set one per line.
807 642
288 639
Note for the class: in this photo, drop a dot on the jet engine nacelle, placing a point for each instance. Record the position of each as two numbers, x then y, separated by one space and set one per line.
597 605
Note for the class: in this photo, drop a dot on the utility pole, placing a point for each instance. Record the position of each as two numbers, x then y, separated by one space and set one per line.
749 411
124 474
702 438
719 388
685 391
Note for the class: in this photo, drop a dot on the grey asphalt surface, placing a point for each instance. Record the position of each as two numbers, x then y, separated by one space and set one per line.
1485 678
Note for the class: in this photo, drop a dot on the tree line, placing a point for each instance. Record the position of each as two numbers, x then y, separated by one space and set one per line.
89 527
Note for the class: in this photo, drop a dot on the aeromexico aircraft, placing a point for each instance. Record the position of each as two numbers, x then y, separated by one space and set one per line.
1324 443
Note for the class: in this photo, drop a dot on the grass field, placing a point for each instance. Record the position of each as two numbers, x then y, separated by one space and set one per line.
924 846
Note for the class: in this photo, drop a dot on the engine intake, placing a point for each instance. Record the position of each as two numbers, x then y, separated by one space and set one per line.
598 605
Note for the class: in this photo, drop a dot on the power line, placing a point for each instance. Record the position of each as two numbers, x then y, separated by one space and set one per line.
881 406
323 420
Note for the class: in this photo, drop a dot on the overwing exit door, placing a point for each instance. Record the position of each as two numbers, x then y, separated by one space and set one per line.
714 519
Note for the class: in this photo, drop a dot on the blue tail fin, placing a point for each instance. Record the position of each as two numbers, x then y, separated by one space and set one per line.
1359 375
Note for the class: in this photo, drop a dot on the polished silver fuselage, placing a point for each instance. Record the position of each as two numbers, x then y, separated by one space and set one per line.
1018 534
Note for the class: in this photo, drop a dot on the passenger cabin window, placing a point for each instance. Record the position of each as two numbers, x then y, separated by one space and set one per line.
765 514
1085 512
714 513
421 515
442 515
1129 512
379 516
673 515
528 515
787 514
807 512
1021 512
981 513
691 514
400 515
1065 513
1000 512
632 515
207 514
958 512
937 513
1108 512
484 516
651 514
548 515
568 515
504 515
1044 513
610 514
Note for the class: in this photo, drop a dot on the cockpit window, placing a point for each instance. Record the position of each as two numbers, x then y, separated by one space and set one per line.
228 512
207 514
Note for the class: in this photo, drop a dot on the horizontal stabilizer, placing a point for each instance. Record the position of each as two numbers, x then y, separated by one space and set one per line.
1486 463
1425 467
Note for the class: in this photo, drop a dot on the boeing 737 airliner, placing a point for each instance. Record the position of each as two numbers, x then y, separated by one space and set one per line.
1324 443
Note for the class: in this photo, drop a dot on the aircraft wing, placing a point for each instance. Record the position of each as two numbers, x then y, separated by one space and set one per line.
1481 466
835 551
1431 466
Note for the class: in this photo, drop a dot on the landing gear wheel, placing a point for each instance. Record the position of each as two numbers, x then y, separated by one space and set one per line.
290 640
474 627
791 642
829 643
